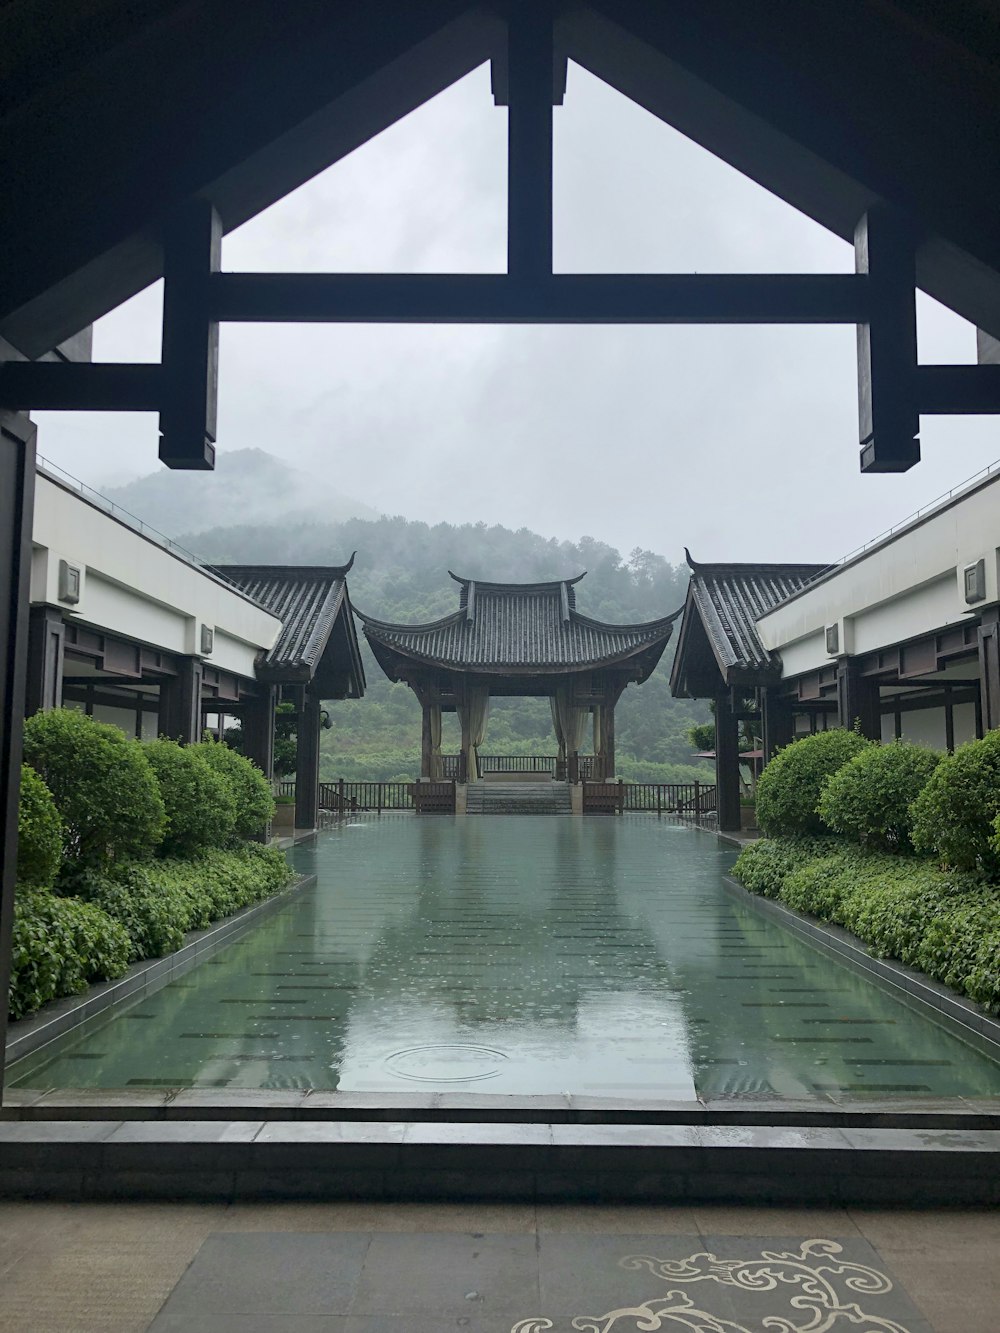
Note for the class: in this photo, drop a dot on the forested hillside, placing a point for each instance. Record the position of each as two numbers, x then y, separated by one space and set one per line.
401 572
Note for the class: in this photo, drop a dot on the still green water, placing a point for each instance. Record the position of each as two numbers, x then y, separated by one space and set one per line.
595 956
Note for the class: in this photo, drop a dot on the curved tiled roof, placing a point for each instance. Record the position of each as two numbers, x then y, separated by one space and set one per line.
305 598
523 626
730 598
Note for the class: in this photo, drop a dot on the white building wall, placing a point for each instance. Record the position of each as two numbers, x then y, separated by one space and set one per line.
135 588
905 588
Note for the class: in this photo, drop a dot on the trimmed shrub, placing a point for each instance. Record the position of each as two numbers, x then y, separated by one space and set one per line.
251 792
869 798
199 803
102 785
763 866
947 923
59 946
954 815
154 914
39 833
788 790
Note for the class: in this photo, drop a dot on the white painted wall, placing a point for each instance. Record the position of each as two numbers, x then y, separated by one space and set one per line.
136 588
925 726
964 718
907 587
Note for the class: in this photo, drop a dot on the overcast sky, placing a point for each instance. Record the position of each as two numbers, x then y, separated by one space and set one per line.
740 443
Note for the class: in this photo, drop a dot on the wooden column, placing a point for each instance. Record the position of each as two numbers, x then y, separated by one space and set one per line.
989 668
307 764
529 141
778 720
258 730
46 638
887 345
608 737
727 764
426 747
858 700
17 501
180 703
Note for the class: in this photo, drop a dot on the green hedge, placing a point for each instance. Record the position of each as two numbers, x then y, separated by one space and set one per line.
788 790
60 945
869 798
953 815
946 923
141 910
39 833
200 806
250 791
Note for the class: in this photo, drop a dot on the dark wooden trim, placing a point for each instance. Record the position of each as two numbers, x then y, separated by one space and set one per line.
563 298
180 703
887 343
307 764
17 493
989 668
958 390
858 700
529 141
727 764
778 719
70 386
46 643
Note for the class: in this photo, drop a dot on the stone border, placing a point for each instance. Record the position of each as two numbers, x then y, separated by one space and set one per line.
26 1036
962 1017
259 1159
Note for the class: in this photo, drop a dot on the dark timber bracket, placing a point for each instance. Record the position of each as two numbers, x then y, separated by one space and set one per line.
529 76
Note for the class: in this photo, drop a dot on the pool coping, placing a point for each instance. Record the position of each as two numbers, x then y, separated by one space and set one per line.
26 1036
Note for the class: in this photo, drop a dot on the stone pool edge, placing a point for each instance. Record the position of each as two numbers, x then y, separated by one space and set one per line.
962 1017
27 1036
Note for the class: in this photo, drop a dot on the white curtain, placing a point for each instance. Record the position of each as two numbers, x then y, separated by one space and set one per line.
434 722
570 722
474 715
598 748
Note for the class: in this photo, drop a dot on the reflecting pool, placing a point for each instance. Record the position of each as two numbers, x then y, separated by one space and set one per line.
596 956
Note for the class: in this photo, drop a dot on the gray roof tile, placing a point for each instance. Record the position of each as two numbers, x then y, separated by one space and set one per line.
306 599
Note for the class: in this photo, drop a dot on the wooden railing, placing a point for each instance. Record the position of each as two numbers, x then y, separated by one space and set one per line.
665 798
344 797
521 763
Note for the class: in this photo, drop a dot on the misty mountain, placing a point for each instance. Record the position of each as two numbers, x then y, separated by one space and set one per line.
248 485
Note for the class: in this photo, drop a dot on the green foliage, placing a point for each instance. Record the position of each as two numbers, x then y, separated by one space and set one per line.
253 804
869 798
763 866
199 803
788 790
59 946
39 833
954 814
702 736
946 923
102 785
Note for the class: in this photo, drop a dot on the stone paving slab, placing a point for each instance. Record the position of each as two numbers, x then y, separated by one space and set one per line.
510 1283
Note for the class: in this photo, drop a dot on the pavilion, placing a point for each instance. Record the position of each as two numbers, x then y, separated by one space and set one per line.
518 639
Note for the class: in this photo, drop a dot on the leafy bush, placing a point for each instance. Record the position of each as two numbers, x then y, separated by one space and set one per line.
251 792
763 866
869 798
59 946
102 785
947 923
954 815
39 833
788 789
199 803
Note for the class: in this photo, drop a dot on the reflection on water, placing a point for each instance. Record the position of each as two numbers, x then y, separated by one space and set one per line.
521 955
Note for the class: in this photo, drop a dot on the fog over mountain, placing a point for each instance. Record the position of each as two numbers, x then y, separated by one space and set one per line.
248 486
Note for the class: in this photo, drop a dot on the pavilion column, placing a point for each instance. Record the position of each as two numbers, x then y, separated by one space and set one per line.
17 494
727 764
46 640
607 729
426 748
858 700
258 729
778 720
307 763
989 668
180 703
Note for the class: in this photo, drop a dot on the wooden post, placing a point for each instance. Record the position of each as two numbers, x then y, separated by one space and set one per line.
180 703
192 250
426 748
17 502
307 763
858 700
989 668
46 639
258 729
887 344
778 720
340 794
697 798
727 764
530 62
